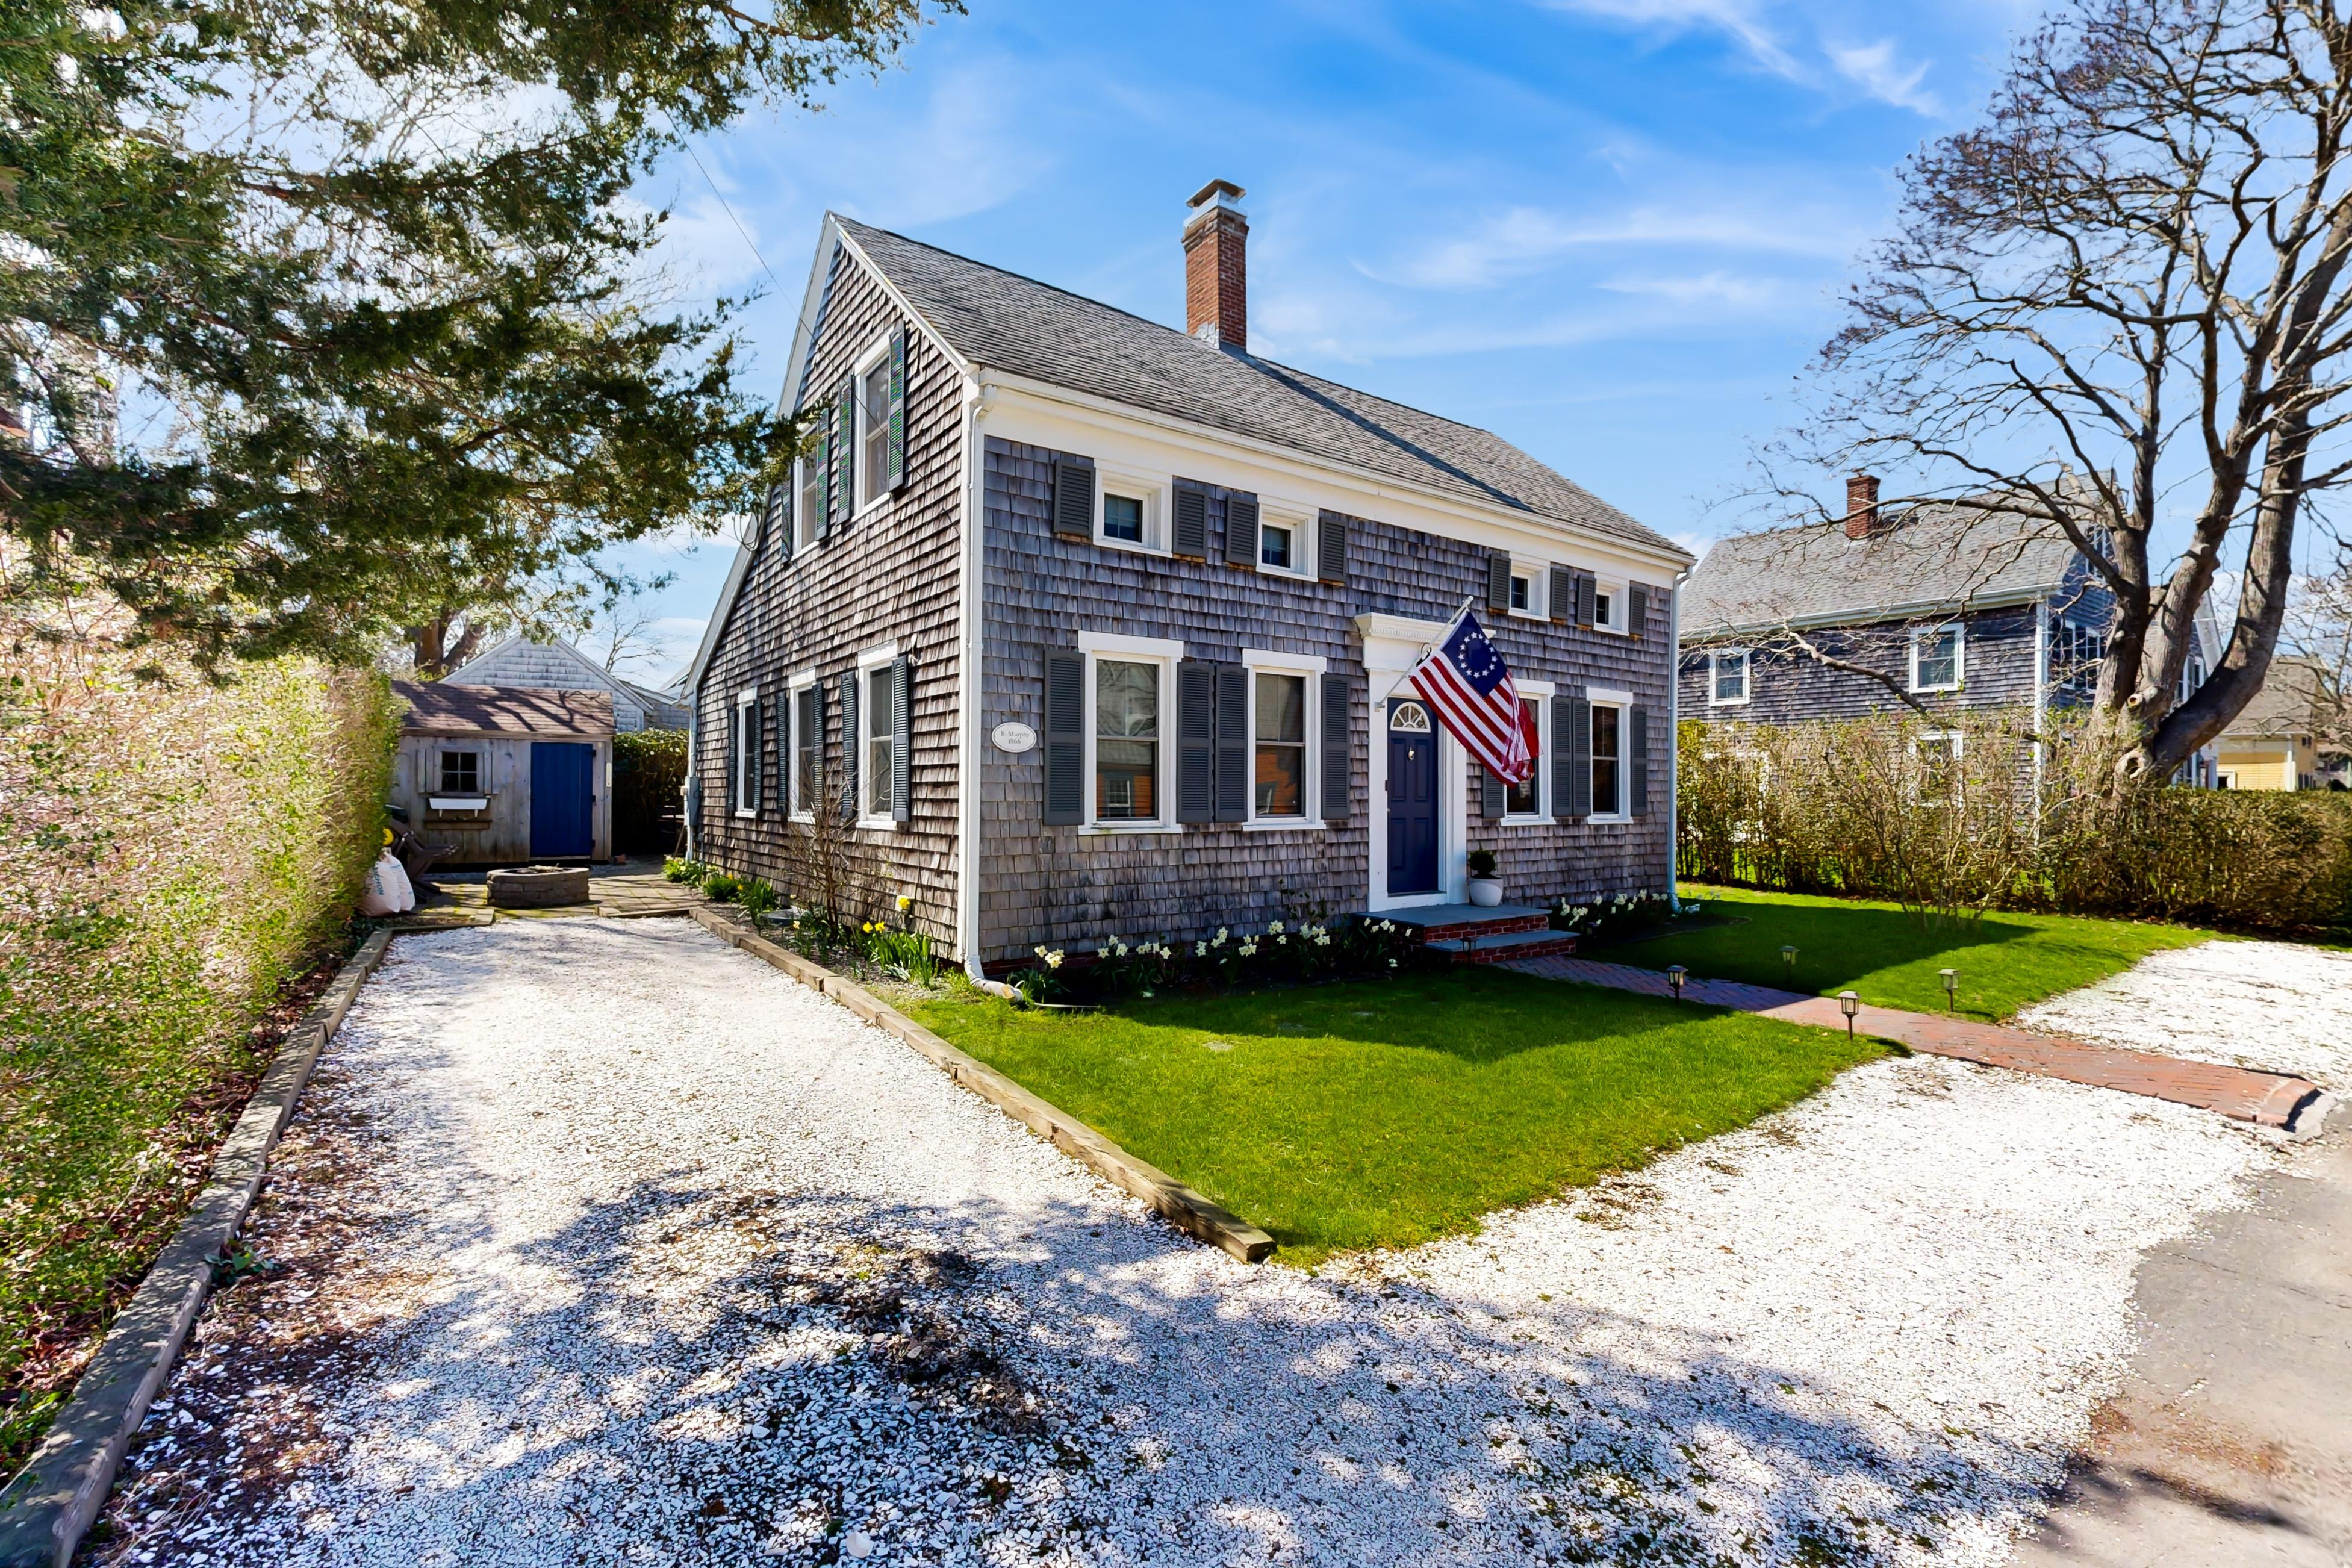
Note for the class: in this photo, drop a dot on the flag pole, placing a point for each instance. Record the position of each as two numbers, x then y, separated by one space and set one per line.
1460 610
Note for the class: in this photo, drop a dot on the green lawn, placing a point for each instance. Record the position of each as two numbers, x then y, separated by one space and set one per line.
2006 961
1386 1113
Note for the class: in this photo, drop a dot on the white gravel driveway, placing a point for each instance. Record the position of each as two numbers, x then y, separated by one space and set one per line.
609 1243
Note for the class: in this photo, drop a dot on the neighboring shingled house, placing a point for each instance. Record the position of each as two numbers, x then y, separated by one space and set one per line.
1091 625
1952 606
558 666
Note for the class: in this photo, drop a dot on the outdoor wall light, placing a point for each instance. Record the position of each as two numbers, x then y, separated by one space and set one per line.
1788 964
1849 1004
1675 975
1951 978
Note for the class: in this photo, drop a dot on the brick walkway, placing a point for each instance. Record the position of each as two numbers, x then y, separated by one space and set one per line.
2268 1098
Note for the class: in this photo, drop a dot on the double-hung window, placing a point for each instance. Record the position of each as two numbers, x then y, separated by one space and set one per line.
1935 657
1526 799
1727 677
1938 756
808 744
873 430
875 717
1127 739
1608 759
1280 773
745 738
808 500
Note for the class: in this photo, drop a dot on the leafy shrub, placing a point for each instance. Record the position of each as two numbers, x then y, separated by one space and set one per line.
1480 862
173 852
757 898
722 887
680 869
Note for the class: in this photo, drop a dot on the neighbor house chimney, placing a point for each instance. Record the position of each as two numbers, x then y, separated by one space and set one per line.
1861 506
1216 267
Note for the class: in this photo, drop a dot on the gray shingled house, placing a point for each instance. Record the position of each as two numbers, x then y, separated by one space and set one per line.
1954 605
1081 624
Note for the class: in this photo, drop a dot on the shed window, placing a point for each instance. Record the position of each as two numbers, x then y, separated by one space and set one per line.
1126 741
461 772
1281 769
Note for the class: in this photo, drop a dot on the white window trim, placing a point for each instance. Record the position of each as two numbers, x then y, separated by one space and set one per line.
1958 740
747 715
1303 538
1622 701
1959 655
1312 667
1746 676
1152 490
794 686
1540 693
875 356
868 661
1538 576
1164 652
1615 588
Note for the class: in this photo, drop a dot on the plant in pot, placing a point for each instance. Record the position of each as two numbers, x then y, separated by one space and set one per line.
1486 886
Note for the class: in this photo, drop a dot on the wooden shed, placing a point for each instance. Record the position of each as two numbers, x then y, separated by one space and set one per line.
507 773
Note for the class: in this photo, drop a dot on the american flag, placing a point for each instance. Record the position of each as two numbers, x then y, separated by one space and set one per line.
1467 681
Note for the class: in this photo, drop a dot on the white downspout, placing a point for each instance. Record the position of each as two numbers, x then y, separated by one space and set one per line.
970 688
1674 740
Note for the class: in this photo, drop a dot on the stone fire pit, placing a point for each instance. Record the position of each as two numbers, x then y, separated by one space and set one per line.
539 886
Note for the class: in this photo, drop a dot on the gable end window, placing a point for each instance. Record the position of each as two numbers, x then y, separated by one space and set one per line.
1727 676
874 432
808 506
1937 655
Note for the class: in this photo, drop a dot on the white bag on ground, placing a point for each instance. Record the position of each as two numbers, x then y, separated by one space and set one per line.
387 892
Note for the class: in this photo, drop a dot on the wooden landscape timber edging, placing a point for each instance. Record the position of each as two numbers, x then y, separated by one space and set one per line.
1182 1208
47 1509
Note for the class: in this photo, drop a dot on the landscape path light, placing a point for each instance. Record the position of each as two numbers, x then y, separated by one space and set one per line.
1951 979
1849 1004
1789 964
1675 975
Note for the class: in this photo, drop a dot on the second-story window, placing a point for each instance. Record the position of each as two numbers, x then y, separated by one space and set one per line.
1277 546
874 432
1122 517
808 506
1727 676
1936 658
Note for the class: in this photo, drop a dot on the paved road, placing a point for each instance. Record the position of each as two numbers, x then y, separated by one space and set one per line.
2232 1443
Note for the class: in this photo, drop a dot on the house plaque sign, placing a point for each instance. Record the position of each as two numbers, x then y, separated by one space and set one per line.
1014 737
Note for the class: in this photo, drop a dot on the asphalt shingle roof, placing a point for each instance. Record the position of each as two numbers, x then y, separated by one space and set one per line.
445 708
2290 702
1937 557
1009 323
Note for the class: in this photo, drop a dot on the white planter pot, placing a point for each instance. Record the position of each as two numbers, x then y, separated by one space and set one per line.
1485 892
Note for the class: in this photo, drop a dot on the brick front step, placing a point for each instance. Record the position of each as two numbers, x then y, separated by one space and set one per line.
1455 922
1507 946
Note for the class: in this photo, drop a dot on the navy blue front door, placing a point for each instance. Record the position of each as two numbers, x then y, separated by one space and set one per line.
563 800
1412 799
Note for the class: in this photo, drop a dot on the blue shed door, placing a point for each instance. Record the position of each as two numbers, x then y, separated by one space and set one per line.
563 800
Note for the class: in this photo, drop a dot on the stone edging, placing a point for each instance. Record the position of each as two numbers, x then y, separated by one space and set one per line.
52 1501
1182 1207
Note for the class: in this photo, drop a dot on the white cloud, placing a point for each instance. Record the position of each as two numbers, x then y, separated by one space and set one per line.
968 150
1736 19
1526 239
1875 70
1718 288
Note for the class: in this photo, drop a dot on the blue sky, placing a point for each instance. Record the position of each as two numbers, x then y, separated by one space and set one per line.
1613 231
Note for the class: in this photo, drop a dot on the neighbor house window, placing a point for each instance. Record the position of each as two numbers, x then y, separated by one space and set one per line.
1277 545
874 431
1936 658
1126 741
809 509
1122 517
1940 757
1281 776
1727 676
1608 797
1526 799
874 716
461 772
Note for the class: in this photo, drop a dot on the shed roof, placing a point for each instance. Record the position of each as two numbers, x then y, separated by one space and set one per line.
1009 323
1938 557
447 708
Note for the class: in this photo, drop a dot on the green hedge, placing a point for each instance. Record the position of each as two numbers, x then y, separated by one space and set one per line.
171 852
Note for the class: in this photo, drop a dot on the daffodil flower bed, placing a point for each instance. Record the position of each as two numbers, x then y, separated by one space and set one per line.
1283 954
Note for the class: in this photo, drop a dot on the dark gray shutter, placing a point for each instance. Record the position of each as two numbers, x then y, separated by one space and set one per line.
1587 584
895 464
825 454
902 755
1498 580
1196 741
780 510
1189 536
783 752
845 454
1494 800
1241 529
1065 737
1637 609
1573 746
1074 497
769 513
849 747
1233 778
1332 549
1638 739
1560 597
1338 786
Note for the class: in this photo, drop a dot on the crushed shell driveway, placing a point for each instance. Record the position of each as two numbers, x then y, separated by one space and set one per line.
605 1243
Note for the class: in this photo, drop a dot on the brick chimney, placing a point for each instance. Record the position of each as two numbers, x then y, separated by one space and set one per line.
1861 506
1216 267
